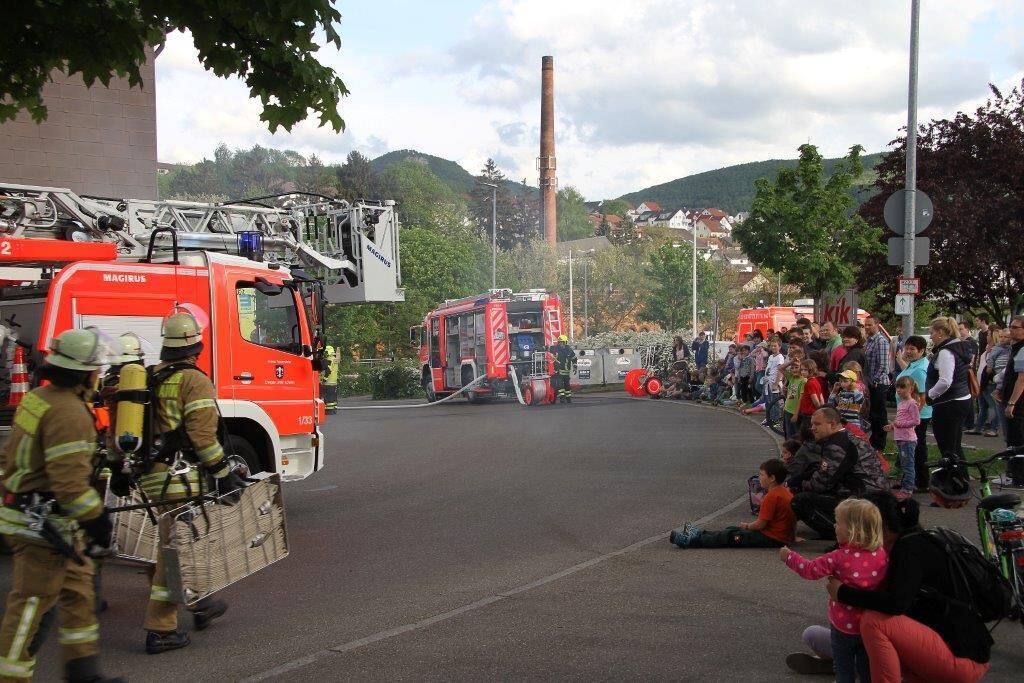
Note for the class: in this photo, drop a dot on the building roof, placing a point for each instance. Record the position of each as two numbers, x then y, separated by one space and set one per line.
653 206
585 244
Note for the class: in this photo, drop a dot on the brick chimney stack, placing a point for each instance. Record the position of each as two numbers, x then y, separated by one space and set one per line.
546 161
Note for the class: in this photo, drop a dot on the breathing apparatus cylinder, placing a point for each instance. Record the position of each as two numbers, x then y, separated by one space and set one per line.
131 408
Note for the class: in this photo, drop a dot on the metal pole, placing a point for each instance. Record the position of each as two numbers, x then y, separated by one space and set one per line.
695 282
909 203
572 320
586 316
494 237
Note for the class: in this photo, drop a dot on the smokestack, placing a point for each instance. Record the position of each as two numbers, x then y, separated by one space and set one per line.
546 161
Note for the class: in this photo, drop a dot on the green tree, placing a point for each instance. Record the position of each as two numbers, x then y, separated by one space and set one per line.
357 178
269 45
616 287
510 230
971 166
532 264
616 207
803 224
573 217
670 303
425 201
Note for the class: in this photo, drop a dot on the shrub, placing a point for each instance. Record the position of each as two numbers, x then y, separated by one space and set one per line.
400 379
354 380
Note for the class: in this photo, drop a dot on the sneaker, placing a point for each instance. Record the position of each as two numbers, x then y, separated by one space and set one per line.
163 642
685 536
902 494
803 663
210 610
990 432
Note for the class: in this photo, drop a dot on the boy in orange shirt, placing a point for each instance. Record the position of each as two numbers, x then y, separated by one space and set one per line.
775 525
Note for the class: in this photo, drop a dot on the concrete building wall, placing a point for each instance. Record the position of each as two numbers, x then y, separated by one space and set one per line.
96 141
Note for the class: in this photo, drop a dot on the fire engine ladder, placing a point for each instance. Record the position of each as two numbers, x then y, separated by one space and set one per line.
351 247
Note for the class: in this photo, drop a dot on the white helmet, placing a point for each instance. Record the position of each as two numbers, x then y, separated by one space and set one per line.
132 351
182 332
82 350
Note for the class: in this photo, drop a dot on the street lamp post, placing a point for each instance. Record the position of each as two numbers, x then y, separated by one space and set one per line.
494 232
694 281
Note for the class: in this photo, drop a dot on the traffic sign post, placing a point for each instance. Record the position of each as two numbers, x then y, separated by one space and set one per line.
904 304
908 285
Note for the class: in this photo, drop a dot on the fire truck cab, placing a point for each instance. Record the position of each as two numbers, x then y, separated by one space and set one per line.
485 336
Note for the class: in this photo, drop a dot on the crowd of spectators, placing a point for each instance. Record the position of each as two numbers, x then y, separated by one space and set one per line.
888 587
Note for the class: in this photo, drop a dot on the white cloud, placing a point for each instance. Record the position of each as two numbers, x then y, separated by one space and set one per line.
645 92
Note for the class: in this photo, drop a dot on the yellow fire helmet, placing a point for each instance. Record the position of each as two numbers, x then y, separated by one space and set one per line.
563 338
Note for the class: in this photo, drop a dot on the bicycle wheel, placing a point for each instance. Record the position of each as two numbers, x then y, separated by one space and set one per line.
774 415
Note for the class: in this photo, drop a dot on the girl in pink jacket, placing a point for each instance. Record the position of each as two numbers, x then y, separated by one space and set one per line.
860 561
904 429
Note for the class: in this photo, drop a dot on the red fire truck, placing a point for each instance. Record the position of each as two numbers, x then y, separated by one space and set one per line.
498 336
257 273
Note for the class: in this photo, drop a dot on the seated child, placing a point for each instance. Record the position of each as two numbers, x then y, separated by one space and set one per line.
860 561
775 524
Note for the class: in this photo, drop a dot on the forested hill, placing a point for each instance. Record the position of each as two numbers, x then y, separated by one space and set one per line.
451 173
731 188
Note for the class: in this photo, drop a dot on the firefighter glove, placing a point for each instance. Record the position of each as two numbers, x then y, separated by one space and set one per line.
229 487
98 531
120 483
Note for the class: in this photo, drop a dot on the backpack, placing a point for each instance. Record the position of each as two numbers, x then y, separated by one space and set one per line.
756 493
977 583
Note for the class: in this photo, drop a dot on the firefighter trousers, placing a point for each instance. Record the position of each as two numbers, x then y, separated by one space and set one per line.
560 383
162 610
44 577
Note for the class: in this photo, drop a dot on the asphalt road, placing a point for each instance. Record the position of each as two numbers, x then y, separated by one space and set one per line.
497 541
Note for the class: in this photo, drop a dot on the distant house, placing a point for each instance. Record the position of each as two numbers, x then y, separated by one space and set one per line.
649 206
593 207
614 222
712 226
755 282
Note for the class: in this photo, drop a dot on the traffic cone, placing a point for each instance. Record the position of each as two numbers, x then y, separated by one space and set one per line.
19 378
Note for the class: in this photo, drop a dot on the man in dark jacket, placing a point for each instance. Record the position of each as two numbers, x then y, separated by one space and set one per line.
849 466
700 347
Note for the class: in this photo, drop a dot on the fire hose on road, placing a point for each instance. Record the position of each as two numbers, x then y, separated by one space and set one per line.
469 386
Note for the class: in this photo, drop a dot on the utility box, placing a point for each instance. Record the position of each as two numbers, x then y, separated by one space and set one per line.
618 362
589 368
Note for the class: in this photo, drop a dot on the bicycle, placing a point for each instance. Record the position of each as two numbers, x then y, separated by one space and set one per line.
1001 536
774 415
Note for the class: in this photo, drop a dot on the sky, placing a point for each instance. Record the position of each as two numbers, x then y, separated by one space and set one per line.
645 91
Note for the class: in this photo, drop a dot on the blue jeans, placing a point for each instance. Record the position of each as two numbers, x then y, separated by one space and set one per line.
988 410
907 449
849 658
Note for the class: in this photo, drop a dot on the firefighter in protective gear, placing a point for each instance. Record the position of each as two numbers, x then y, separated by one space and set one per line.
329 385
186 420
50 509
565 364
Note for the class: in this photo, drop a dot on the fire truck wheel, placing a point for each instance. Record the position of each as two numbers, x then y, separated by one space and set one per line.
428 390
240 453
467 377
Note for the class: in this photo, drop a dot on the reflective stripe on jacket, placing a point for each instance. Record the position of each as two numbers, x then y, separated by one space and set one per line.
188 397
51 449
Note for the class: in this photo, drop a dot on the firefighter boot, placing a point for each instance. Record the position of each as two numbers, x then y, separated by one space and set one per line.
162 642
206 611
87 670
